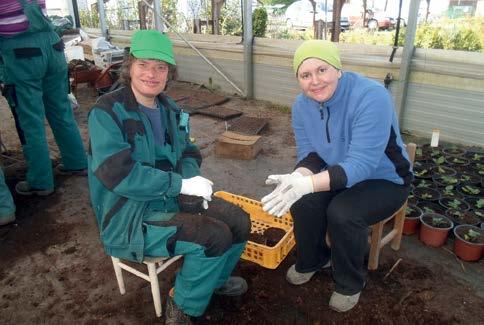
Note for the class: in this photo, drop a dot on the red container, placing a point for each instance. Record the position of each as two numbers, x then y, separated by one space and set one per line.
465 250
410 225
433 236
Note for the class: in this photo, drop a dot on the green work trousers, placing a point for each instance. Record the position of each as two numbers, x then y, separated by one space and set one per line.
38 72
7 207
211 247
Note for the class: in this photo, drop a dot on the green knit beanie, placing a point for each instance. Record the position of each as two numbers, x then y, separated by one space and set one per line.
319 49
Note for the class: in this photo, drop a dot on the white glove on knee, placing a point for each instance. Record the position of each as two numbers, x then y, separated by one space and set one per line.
197 186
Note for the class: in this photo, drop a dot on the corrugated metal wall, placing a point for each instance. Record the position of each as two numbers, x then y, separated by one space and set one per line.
446 88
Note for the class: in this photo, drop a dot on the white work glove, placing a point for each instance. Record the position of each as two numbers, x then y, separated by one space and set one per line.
277 179
290 189
198 186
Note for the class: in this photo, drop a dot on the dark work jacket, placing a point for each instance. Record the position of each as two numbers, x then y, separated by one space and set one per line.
128 174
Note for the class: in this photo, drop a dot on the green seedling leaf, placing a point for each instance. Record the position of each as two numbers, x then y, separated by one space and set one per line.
480 203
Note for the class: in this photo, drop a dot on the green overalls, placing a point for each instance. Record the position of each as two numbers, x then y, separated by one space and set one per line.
134 186
35 70
7 207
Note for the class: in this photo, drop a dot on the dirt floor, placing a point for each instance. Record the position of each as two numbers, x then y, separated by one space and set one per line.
53 269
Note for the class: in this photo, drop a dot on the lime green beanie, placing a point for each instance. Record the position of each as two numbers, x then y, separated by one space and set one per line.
151 44
319 49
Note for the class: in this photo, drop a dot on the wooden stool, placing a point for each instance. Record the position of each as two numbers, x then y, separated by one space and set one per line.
155 266
394 236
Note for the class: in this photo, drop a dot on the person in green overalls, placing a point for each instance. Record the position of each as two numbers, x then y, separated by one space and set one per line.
7 207
141 159
35 75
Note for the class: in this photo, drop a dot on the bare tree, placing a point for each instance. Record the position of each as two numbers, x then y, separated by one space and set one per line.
337 7
216 8
427 12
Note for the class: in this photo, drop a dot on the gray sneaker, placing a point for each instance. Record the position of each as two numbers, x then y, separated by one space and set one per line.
174 315
297 278
342 303
234 286
23 188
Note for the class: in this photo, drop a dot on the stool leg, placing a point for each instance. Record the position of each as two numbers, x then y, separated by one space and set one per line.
399 220
119 275
155 288
376 233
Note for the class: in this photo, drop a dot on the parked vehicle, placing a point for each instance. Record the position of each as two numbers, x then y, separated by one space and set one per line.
378 20
299 15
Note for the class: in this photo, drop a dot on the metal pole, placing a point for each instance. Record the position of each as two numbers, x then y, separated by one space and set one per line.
157 14
248 39
407 55
102 18
198 52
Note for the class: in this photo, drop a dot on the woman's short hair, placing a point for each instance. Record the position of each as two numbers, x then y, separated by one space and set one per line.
125 77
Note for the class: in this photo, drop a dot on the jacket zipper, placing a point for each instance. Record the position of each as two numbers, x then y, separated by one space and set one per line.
321 111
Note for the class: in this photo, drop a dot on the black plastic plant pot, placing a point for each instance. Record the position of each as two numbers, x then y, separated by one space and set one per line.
422 182
450 191
442 170
422 170
471 190
466 177
430 207
475 157
457 161
439 160
463 217
445 180
454 151
454 203
475 203
427 194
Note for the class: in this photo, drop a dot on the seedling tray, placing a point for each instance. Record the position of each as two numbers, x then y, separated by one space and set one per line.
265 256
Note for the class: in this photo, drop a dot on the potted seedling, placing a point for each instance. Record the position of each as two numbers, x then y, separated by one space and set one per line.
434 229
412 219
475 157
469 190
457 161
454 203
430 207
469 242
453 151
463 217
422 170
422 182
451 192
444 180
443 170
438 160
469 178
426 193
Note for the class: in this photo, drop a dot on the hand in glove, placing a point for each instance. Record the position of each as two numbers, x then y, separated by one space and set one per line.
197 186
290 189
277 179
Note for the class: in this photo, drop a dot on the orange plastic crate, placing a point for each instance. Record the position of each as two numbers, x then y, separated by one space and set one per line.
268 257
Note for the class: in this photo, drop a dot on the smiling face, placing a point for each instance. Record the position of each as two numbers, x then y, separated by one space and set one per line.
148 79
318 79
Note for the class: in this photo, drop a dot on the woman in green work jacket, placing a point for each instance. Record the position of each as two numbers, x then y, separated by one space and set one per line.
140 160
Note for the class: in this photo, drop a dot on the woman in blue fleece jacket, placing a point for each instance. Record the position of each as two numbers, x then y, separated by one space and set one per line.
352 170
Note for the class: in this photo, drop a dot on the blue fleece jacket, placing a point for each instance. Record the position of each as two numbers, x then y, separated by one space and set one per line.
355 133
